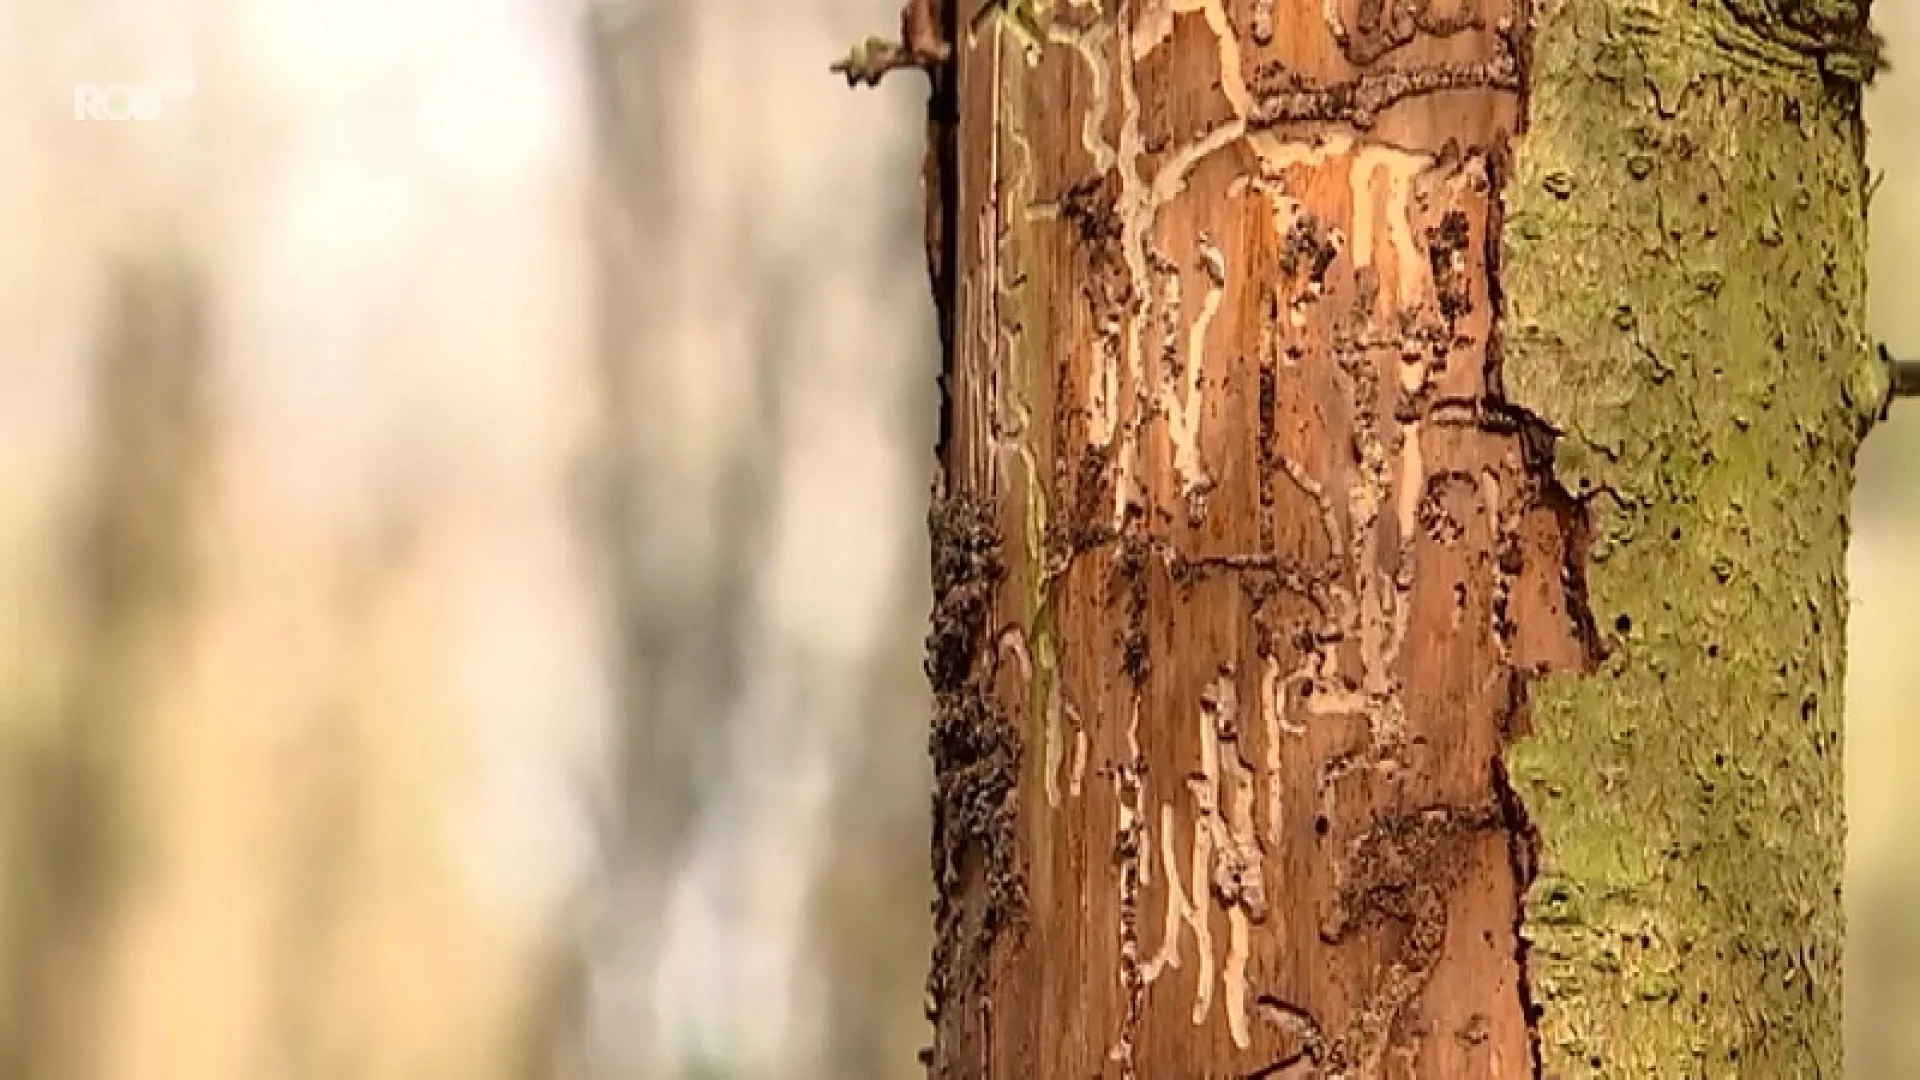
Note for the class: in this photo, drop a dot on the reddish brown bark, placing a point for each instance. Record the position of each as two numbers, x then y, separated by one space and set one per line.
1240 559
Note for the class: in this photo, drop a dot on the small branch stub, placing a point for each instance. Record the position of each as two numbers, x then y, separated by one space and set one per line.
1905 375
920 46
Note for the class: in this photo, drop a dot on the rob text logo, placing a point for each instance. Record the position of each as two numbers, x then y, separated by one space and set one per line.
141 101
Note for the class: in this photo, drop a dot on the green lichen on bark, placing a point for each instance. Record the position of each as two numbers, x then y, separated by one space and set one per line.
1832 34
1684 266
1022 327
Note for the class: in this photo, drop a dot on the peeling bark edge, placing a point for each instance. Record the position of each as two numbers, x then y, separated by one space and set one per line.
1536 447
940 180
1523 852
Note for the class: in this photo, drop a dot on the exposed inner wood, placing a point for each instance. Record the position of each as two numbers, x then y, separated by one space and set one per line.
1241 560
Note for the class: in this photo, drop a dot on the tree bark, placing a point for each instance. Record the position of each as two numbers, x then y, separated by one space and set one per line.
1388 552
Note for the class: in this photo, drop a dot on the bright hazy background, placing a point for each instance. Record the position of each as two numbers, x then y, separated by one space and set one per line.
462 572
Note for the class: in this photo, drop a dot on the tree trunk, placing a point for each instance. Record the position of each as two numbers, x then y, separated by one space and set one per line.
1388 555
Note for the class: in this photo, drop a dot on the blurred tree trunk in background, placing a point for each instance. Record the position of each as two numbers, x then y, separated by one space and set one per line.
1389 582
300 678
132 583
765 365
377 540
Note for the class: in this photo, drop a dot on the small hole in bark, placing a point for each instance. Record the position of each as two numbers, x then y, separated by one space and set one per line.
1321 825
1624 624
1713 651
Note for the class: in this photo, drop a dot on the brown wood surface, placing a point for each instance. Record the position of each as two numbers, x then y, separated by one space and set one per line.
1223 389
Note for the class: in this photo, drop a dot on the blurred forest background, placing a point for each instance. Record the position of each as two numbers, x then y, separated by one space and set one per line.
462 572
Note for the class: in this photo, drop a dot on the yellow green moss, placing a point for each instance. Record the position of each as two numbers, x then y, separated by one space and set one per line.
1023 329
1684 272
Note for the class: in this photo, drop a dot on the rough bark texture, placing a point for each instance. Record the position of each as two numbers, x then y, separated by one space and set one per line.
1685 274
1349 403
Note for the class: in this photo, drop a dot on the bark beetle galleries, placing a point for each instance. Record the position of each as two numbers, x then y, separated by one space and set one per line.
1258 560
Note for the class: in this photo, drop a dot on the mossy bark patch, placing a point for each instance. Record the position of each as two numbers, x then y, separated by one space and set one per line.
1684 277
